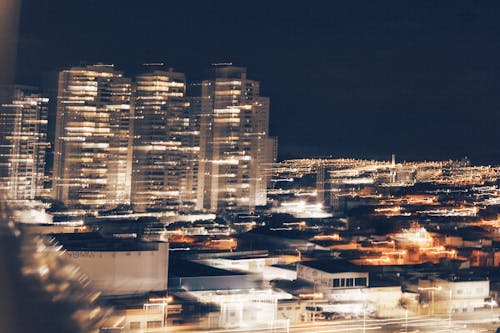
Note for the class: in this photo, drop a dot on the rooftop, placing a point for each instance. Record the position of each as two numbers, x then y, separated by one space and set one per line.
334 266
93 241
186 268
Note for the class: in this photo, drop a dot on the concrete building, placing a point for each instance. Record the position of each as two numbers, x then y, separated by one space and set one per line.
486 257
268 268
192 143
165 142
248 310
296 310
192 276
329 275
148 319
348 289
92 159
183 153
118 267
237 299
152 89
235 146
23 123
442 295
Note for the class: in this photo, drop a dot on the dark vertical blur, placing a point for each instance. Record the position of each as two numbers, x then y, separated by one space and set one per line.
9 23
25 304
9 271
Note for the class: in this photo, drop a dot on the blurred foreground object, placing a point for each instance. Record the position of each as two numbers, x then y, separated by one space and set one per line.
41 291
9 22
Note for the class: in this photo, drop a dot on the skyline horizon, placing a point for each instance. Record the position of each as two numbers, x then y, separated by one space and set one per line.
289 151
230 166
421 80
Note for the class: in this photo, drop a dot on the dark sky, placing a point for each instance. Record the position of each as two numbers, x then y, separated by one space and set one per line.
347 78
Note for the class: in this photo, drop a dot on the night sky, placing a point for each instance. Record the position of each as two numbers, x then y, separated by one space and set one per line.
345 78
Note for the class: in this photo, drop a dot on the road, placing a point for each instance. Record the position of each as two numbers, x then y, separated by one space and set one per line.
476 322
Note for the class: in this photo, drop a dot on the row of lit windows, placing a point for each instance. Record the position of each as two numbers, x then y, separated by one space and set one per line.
349 282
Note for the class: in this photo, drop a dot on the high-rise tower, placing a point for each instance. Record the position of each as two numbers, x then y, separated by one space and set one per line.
158 105
183 151
92 159
23 142
235 147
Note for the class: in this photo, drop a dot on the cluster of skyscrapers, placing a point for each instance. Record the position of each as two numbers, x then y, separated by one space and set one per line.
152 141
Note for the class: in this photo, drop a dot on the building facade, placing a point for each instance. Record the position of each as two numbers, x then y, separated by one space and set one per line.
92 159
234 142
453 295
119 267
328 276
23 143
165 144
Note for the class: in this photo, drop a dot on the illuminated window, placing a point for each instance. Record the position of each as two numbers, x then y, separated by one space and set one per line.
135 325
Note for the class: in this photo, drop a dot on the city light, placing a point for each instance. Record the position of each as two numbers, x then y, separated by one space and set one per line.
157 197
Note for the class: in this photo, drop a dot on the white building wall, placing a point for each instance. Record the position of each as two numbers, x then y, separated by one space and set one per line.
459 296
323 279
124 273
251 309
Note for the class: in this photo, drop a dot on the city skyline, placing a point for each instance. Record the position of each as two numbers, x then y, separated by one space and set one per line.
264 166
367 80
92 159
145 142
